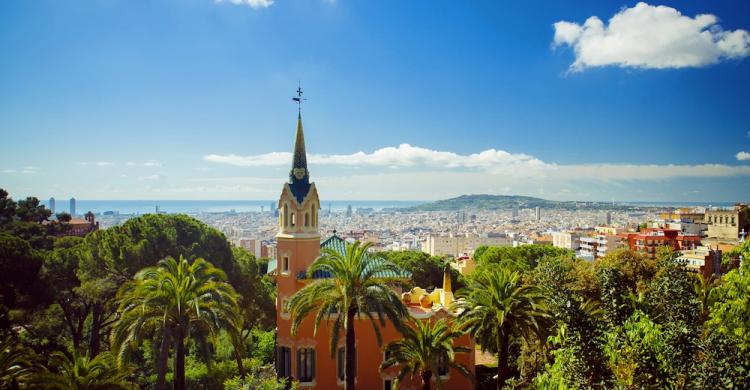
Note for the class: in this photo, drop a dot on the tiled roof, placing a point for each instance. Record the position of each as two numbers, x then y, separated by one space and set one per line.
339 245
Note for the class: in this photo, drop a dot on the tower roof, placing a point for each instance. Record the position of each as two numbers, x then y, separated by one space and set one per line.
300 157
299 177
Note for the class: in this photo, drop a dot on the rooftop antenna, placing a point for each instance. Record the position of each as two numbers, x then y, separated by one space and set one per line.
298 99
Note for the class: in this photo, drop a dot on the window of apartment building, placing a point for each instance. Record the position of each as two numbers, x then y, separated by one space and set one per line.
285 265
284 362
305 364
732 220
341 363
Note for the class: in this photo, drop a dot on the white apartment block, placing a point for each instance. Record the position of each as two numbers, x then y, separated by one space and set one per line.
566 240
451 245
597 246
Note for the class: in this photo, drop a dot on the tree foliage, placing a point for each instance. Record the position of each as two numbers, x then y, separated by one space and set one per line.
170 302
426 344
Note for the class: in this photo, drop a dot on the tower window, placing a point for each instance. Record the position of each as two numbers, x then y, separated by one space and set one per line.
286 215
294 219
307 219
285 265
306 364
284 362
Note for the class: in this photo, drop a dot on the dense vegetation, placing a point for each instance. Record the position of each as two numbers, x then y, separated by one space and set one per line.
505 202
623 321
84 312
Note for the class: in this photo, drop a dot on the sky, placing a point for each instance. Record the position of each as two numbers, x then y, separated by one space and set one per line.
407 100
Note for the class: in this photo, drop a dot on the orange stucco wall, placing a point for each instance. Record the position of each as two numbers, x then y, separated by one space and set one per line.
369 356
301 253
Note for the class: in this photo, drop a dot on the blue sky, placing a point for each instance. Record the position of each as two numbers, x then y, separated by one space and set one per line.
190 99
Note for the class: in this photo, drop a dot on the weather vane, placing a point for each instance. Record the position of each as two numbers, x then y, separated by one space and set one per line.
298 99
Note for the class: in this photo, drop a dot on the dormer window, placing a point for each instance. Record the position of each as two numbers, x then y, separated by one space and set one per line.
307 219
294 219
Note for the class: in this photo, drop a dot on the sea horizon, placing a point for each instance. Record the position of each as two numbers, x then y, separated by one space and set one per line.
146 206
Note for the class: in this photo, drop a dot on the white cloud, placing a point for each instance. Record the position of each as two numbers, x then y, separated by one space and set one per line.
252 3
97 163
402 156
743 156
152 163
150 178
647 36
9 171
497 163
648 171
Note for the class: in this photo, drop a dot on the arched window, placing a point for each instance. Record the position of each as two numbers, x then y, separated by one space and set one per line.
286 215
307 219
294 219
314 215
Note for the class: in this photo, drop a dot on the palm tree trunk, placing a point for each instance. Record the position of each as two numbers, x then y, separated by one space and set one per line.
426 375
96 321
161 363
350 352
237 346
503 372
179 361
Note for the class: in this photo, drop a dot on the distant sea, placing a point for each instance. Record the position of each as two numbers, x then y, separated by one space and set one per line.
136 207
209 206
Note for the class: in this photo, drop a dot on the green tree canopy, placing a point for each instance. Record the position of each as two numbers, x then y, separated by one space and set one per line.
425 346
497 305
174 301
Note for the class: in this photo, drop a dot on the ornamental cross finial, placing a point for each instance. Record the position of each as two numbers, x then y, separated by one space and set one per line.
298 99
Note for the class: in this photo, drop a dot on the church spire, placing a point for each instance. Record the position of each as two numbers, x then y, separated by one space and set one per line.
299 177
300 156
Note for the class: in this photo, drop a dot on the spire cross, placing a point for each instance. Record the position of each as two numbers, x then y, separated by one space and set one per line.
298 99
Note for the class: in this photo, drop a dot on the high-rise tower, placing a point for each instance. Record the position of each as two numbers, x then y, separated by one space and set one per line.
73 207
52 205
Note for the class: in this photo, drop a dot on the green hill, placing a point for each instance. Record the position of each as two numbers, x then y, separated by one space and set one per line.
499 202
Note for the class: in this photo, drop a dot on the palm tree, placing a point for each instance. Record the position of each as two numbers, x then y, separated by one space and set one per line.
496 305
357 287
174 300
705 290
77 372
423 348
16 364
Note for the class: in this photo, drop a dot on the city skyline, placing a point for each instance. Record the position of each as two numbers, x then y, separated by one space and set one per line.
192 100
